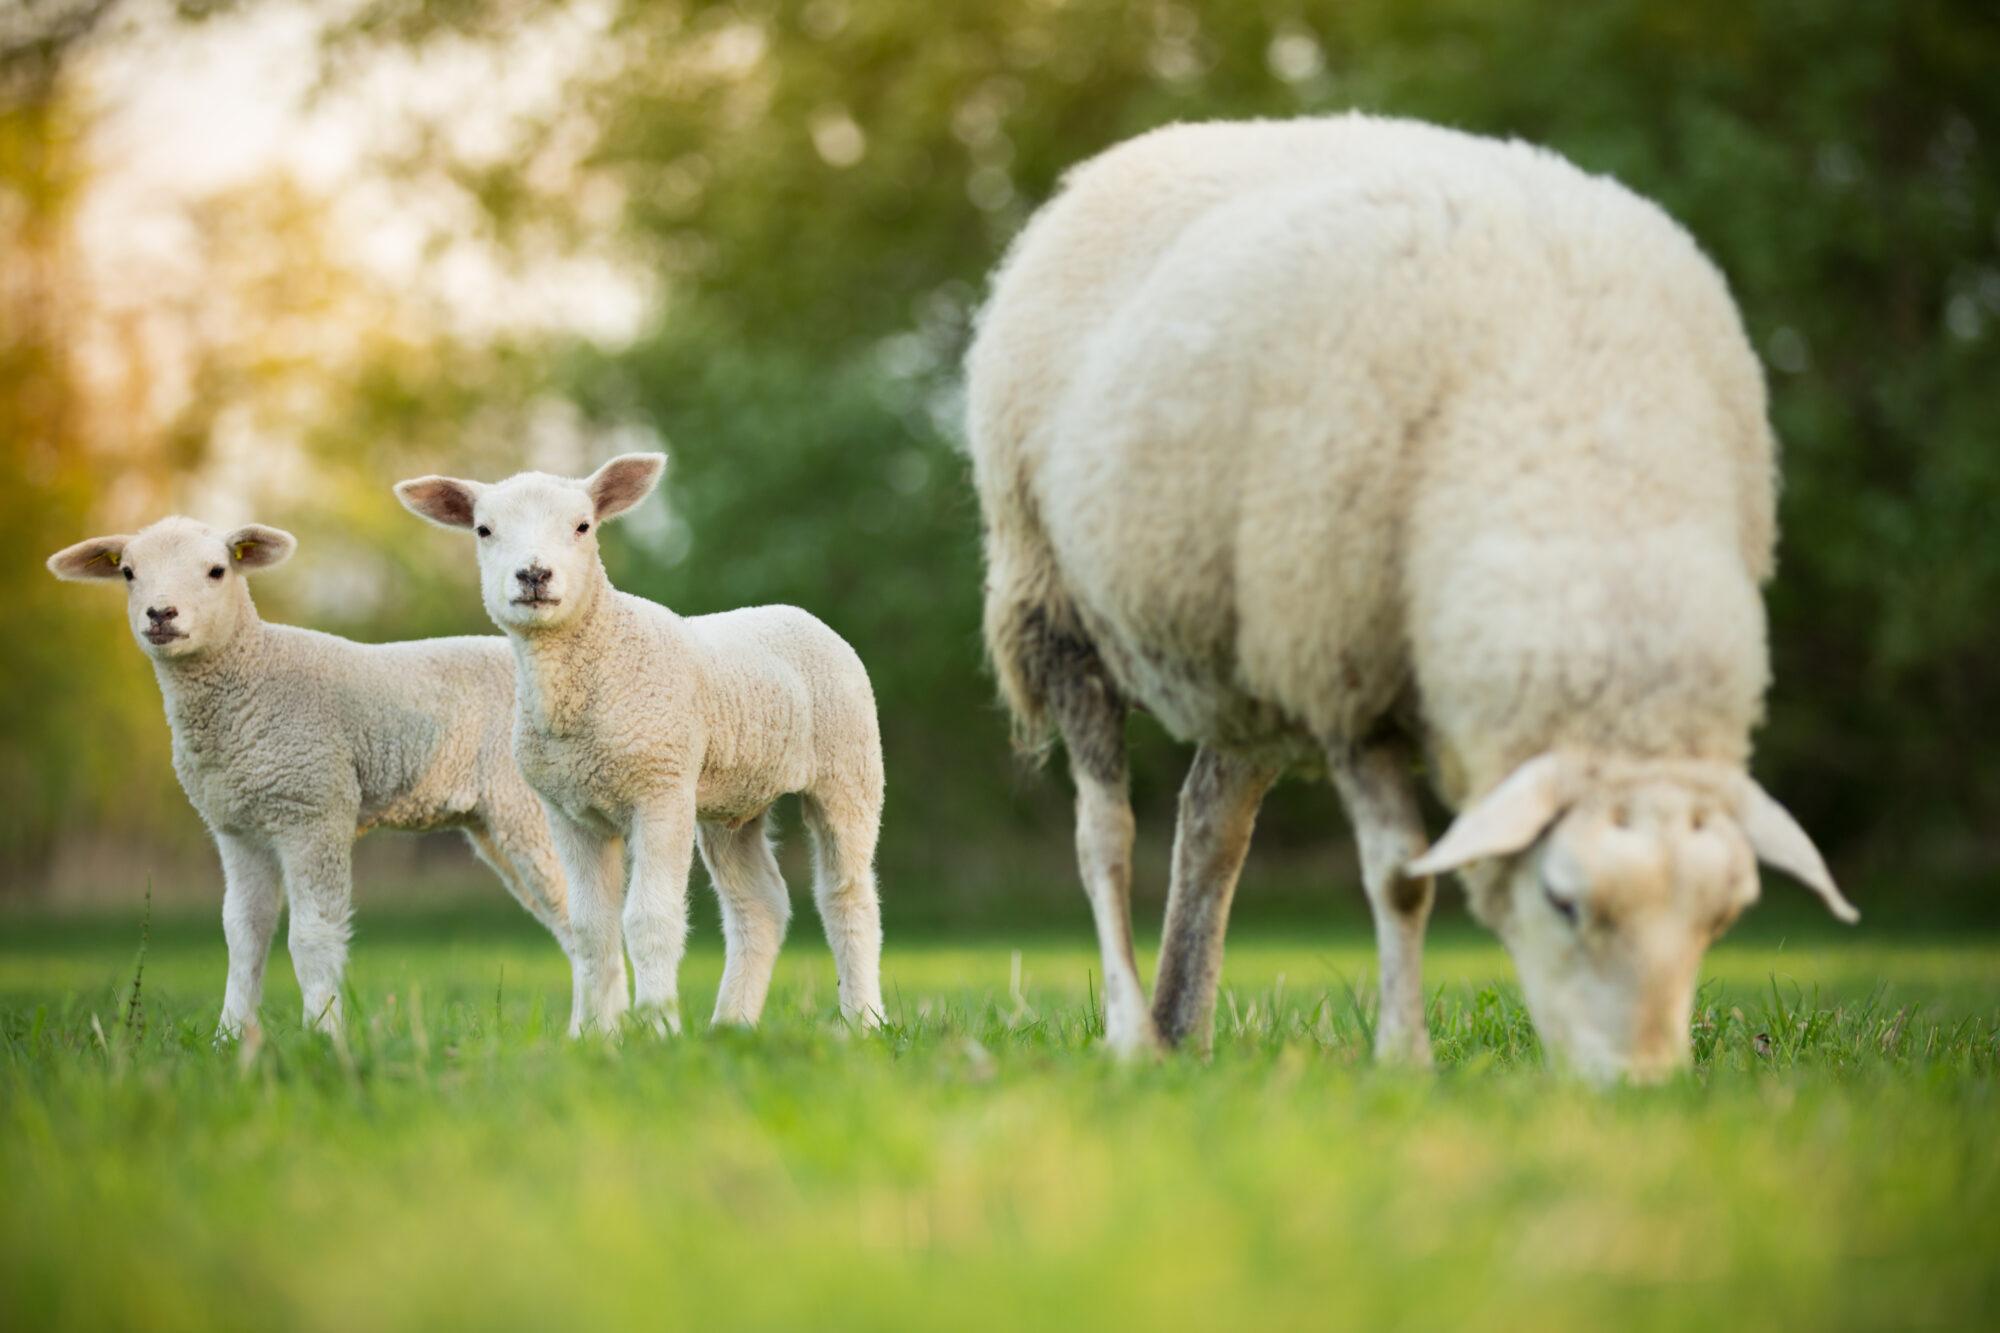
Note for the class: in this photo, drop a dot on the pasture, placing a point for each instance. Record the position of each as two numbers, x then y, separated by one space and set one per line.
456 1162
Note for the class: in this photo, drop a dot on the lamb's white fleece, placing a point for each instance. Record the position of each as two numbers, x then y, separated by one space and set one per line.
290 743
642 726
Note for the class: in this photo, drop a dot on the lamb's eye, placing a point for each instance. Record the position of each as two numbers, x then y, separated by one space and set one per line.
127 572
483 530
1565 907
582 528
215 571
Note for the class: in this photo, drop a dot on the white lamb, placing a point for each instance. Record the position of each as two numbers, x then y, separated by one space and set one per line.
640 726
1330 439
291 743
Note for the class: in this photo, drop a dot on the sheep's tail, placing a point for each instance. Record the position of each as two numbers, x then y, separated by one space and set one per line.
1034 639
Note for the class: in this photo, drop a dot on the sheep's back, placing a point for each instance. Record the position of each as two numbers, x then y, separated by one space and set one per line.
1235 374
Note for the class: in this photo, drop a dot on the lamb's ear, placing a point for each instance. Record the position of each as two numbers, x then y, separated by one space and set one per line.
445 501
97 558
254 546
1505 820
1779 841
624 482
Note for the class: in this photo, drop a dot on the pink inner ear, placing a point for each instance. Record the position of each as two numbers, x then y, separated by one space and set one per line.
622 484
445 501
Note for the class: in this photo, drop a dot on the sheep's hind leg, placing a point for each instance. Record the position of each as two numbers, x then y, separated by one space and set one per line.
1091 718
1377 787
253 891
1218 809
526 863
755 910
319 880
850 910
661 851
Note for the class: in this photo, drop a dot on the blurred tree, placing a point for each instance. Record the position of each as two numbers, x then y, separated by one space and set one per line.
822 186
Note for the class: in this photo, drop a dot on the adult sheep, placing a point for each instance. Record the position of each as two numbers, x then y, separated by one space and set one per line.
290 743
1330 441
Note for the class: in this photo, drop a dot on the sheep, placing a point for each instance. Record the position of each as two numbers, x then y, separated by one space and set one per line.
291 743
663 732
1336 442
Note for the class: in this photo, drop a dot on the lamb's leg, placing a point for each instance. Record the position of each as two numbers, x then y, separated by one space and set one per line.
525 860
656 909
755 909
319 881
1376 785
595 871
253 886
1092 721
850 911
1219 804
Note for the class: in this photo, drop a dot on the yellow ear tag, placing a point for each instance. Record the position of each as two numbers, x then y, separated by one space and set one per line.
242 550
111 557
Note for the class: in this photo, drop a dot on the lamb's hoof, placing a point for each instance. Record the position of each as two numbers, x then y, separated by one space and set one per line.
1403 1050
658 1020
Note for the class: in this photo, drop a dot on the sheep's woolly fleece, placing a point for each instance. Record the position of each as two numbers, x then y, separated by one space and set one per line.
1496 452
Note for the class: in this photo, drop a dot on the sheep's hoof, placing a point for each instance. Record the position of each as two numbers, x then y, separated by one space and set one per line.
1132 1041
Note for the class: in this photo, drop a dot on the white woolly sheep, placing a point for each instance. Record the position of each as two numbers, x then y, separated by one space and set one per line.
1331 439
291 743
639 725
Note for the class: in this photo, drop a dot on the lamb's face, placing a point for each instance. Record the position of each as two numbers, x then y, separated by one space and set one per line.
184 591
536 534
1607 883
537 544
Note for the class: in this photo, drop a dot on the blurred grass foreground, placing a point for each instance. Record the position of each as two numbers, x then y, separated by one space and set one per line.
261 260
457 1163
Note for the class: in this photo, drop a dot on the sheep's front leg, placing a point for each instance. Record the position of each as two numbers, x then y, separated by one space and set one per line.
319 881
592 865
1218 809
1376 786
656 909
253 887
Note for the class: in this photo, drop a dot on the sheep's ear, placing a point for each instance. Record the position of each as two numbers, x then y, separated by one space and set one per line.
255 546
97 558
624 482
1505 820
445 501
1779 841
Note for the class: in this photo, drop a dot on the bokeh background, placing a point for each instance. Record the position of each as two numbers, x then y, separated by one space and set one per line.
260 260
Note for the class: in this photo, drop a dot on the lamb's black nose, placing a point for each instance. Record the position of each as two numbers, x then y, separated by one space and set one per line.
534 578
160 615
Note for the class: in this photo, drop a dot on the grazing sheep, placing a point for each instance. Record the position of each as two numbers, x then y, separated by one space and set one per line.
636 724
1328 440
290 743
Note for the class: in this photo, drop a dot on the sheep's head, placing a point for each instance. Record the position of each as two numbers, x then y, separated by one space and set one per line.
184 591
537 534
1607 881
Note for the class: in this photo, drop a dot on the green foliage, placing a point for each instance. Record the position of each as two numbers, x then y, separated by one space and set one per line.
455 1161
823 187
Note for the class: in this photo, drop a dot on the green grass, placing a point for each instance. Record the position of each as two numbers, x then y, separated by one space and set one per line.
1831 1163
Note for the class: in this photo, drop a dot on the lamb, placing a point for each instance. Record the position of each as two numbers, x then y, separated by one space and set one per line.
291 743
1332 442
641 726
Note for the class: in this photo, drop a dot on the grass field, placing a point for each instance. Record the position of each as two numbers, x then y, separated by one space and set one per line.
1833 1162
